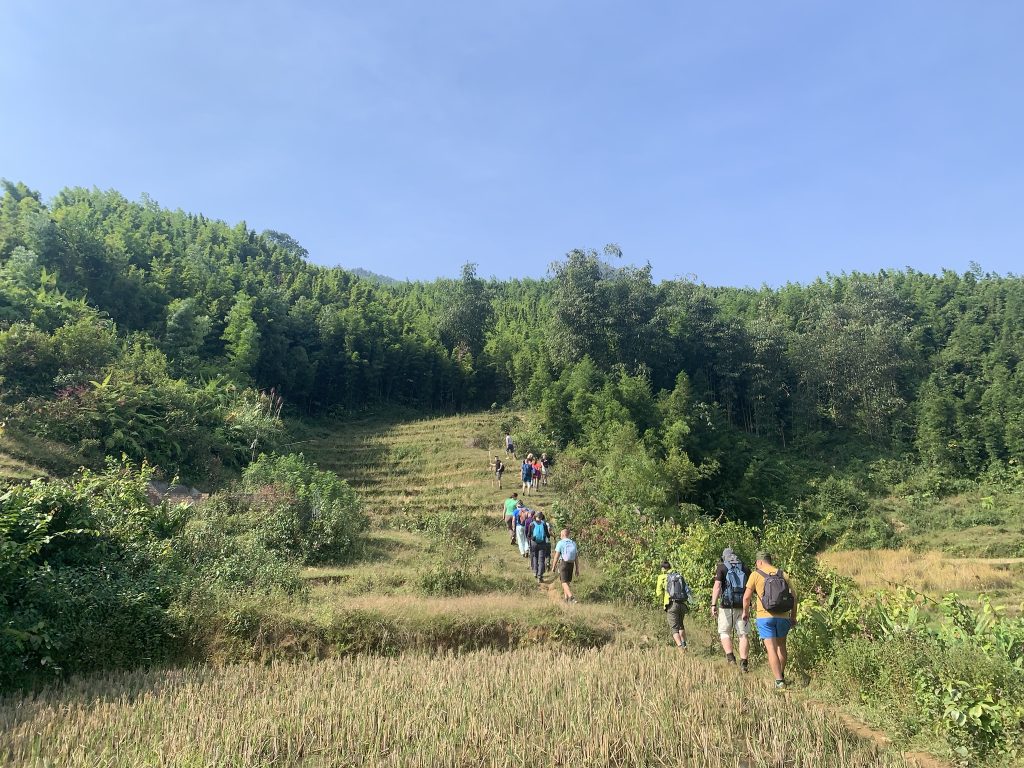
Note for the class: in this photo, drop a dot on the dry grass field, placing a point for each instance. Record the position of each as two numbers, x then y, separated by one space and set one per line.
504 674
610 707
934 573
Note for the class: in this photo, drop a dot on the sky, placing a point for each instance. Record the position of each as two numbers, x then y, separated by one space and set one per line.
739 143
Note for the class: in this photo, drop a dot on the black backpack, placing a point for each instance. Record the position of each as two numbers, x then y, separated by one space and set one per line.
777 597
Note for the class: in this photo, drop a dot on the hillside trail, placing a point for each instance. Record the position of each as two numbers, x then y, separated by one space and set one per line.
441 464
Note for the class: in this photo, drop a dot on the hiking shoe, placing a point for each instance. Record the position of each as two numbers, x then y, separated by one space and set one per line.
731 659
780 685
744 668
572 599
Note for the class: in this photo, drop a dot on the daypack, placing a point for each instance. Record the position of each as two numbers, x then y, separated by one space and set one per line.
676 587
540 532
569 551
734 586
777 597
527 472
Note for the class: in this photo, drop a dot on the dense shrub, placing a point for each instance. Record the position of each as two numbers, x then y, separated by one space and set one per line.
313 514
92 575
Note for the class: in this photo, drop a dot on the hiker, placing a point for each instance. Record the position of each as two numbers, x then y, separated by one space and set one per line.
511 504
521 516
537 469
727 606
540 546
670 587
510 448
527 471
545 462
776 611
499 469
567 564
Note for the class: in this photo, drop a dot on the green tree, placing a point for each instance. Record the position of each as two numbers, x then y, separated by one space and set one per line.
241 337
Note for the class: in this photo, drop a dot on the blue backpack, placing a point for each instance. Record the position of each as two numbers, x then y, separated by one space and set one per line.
734 586
540 532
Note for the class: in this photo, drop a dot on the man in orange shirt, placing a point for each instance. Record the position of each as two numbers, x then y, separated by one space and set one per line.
776 612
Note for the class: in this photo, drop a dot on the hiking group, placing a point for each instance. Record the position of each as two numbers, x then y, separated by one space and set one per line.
734 586
531 532
733 590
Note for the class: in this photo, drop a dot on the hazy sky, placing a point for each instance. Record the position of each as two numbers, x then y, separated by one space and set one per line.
741 142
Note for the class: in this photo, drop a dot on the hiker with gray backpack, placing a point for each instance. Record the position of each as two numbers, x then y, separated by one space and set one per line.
776 611
671 589
730 583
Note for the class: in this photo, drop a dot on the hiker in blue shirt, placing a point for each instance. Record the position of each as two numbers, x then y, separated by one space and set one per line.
567 564
527 474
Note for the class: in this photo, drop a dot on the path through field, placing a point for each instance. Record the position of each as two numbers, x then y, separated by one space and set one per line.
504 675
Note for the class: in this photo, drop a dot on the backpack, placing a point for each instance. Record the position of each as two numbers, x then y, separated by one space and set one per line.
540 532
569 551
777 597
676 588
733 586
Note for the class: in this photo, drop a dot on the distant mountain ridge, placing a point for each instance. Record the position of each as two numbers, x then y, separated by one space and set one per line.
366 274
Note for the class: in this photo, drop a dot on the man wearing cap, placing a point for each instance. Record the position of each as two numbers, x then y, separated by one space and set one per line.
727 606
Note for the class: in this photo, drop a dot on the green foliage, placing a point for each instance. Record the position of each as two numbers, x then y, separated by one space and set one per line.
942 670
92 575
313 515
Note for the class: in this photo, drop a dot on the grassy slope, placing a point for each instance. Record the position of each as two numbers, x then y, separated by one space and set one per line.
632 701
24 457
441 464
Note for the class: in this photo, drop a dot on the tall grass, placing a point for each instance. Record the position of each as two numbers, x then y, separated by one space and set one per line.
926 572
609 707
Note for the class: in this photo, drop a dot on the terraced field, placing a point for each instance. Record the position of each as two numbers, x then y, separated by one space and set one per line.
502 674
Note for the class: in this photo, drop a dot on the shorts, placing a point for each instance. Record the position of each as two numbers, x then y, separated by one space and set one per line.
674 613
773 627
566 569
510 523
731 620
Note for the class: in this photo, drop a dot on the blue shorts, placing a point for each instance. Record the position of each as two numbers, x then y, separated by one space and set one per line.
773 628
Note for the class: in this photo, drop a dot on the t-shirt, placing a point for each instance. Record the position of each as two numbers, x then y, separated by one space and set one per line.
499 467
561 546
510 507
756 582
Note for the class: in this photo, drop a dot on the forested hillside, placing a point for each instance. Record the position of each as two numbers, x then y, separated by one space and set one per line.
126 327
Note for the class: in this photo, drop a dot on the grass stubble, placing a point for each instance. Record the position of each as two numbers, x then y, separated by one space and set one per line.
615 706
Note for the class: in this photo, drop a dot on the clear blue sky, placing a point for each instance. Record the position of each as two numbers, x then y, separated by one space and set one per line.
743 142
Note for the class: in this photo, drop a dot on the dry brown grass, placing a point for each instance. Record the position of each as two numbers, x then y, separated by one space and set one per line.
927 572
610 707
